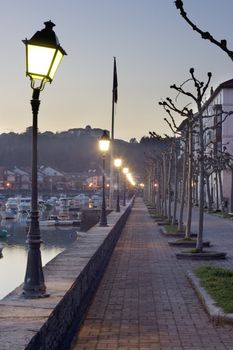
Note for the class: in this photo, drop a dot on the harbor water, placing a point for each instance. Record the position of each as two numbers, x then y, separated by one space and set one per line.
14 253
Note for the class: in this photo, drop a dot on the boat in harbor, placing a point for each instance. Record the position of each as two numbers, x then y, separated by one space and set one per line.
67 222
11 210
60 220
24 204
48 222
8 214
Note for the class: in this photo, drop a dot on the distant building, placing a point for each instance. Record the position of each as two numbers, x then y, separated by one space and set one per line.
87 131
220 135
22 179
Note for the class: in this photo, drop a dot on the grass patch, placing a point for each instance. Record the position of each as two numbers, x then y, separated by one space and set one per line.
186 239
223 214
219 284
171 228
195 251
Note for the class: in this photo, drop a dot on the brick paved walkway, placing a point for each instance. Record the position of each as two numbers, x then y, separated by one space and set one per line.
145 301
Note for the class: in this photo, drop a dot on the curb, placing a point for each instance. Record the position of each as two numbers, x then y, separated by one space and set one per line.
211 255
216 314
174 235
187 244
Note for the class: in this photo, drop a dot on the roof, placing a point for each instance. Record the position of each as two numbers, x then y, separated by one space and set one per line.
228 84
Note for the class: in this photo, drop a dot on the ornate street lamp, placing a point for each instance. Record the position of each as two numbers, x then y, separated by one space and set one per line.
118 163
104 143
43 55
125 172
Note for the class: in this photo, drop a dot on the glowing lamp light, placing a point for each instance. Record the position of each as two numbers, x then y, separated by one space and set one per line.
129 176
43 55
117 162
130 179
104 142
125 170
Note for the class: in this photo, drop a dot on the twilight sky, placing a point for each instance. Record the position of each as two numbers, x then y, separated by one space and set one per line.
153 45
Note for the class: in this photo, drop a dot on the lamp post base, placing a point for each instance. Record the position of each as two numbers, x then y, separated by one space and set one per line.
103 225
33 294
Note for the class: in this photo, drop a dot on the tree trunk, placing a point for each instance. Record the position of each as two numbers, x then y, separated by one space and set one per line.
175 186
199 245
190 176
231 201
164 186
217 192
184 176
169 184
220 191
209 197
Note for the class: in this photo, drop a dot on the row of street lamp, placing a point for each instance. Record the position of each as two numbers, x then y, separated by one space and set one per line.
104 144
43 56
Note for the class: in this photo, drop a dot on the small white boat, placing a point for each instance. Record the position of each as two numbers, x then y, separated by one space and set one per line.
24 204
12 205
9 214
61 222
48 222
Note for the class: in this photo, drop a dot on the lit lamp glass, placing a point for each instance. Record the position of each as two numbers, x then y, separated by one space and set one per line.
43 55
104 142
125 170
117 162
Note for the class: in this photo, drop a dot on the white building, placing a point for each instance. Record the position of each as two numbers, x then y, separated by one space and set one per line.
219 133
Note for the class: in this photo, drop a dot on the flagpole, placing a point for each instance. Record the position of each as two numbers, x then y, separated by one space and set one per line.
114 100
112 155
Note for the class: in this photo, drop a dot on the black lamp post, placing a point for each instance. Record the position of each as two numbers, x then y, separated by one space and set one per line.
104 143
43 55
125 172
117 163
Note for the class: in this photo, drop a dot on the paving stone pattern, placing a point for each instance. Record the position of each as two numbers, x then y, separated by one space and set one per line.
145 300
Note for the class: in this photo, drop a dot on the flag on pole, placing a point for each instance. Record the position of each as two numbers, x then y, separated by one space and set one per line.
115 82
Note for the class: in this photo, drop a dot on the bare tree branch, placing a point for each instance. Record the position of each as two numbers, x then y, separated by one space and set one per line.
205 35
213 127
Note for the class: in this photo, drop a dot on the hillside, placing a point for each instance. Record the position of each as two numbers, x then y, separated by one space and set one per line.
70 151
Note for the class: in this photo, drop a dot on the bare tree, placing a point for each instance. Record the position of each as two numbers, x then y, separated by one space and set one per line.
171 107
200 90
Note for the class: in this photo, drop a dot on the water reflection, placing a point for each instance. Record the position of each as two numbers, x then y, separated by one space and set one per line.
13 262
